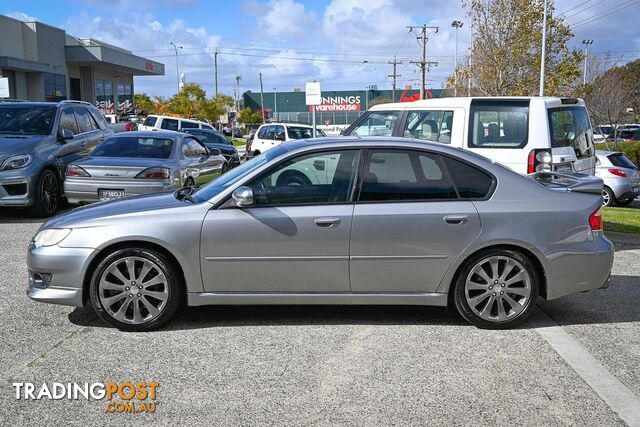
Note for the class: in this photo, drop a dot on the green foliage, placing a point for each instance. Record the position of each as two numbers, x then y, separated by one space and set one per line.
623 220
192 101
143 102
249 117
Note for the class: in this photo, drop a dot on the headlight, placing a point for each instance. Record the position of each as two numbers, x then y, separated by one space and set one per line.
17 162
50 236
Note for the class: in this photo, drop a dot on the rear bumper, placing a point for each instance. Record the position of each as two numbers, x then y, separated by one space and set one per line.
623 188
86 191
577 267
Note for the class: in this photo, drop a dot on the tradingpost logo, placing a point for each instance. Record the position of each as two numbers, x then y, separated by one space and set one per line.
123 397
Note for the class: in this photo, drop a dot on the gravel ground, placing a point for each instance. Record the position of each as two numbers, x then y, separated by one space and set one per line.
317 365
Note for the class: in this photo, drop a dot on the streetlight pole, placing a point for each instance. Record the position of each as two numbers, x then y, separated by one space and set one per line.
544 48
176 47
456 25
586 43
275 103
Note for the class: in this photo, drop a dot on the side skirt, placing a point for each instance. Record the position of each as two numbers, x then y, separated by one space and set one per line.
213 298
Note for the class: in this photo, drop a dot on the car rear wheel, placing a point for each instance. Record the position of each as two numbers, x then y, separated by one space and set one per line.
608 197
496 289
47 197
135 289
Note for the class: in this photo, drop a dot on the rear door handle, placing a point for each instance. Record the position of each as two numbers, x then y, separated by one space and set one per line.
327 222
456 219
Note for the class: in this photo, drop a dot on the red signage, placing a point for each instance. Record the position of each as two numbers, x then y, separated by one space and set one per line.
338 103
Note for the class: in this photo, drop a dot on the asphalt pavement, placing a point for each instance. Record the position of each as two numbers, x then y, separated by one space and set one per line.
320 365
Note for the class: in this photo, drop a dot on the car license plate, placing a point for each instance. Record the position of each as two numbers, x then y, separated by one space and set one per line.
563 168
104 194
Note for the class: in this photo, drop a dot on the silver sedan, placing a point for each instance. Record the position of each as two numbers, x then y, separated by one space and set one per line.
134 163
621 178
333 221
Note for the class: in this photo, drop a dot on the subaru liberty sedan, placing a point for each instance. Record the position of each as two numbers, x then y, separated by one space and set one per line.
333 221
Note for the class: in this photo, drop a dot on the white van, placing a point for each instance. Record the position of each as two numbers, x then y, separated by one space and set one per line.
527 134
153 122
273 134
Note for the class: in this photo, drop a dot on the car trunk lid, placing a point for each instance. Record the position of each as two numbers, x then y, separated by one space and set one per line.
112 168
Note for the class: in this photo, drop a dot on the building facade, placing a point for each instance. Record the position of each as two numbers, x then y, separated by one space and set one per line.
338 108
44 63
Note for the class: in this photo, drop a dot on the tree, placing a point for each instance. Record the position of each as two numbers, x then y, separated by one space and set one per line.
143 102
249 117
505 56
192 101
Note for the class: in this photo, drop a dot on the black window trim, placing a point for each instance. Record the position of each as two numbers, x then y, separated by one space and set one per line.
486 105
364 161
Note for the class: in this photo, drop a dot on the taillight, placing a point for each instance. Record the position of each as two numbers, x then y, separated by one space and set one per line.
539 160
154 129
73 170
595 220
127 127
618 172
154 173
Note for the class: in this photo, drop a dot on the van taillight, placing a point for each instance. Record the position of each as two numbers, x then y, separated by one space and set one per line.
539 160
127 127
595 220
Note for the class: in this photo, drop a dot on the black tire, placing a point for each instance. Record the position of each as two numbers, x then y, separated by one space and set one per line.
459 290
47 196
608 197
225 168
626 202
173 285
256 153
292 177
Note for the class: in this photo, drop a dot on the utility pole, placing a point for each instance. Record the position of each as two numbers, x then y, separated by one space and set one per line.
423 63
215 66
238 78
586 44
470 58
261 98
275 103
176 47
457 25
395 76
544 48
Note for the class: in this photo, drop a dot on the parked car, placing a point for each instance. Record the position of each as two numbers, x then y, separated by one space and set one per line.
155 123
395 221
527 134
37 140
237 133
215 139
621 178
626 135
141 162
273 134
120 123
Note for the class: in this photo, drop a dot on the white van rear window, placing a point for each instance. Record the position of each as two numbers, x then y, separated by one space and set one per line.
570 127
499 124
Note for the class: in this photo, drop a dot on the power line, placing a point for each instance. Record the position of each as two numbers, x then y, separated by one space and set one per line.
612 11
574 7
580 11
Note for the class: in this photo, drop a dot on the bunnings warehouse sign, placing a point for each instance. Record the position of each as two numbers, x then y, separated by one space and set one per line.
339 103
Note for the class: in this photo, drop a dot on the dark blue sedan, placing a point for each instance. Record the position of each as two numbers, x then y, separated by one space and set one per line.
215 139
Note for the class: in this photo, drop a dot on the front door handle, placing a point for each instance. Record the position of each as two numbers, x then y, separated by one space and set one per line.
456 219
327 222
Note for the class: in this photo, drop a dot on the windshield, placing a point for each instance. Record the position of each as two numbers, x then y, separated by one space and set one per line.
134 147
234 175
621 161
26 120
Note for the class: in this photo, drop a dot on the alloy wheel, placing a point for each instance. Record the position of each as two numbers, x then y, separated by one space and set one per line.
605 198
498 288
49 193
133 290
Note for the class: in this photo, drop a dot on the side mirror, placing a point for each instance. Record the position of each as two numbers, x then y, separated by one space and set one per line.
214 151
65 134
243 197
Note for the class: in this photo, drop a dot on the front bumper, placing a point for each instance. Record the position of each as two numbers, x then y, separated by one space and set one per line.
86 191
66 267
15 190
577 267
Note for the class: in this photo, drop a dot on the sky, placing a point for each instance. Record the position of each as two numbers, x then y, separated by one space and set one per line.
344 44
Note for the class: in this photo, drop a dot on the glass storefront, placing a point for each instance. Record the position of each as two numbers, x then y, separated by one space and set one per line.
55 87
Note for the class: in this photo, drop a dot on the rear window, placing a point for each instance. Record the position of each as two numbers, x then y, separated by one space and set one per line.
150 121
499 124
186 125
134 147
471 182
621 161
299 132
569 127
169 124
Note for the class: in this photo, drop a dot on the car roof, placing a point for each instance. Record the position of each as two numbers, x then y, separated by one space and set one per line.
606 153
153 134
287 124
463 101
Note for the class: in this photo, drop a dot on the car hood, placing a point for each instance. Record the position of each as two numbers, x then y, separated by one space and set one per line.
129 205
10 145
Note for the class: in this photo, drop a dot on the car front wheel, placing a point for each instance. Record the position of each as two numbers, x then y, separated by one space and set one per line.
135 289
47 197
496 289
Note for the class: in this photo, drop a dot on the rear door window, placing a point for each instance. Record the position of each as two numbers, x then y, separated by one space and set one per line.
377 123
569 127
471 182
400 175
498 124
434 125
270 132
188 125
150 121
169 124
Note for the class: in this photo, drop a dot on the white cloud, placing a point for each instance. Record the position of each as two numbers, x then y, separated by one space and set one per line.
282 18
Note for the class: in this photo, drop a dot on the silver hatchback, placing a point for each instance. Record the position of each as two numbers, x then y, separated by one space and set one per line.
134 163
621 178
333 221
